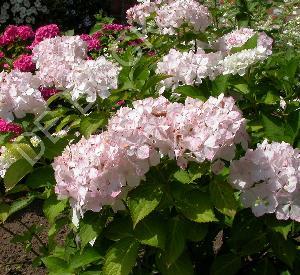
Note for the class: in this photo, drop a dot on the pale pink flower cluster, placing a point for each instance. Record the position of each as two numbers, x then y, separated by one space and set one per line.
269 178
100 170
238 38
93 78
139 13
188 68
62 62
171 16
19 95
55 58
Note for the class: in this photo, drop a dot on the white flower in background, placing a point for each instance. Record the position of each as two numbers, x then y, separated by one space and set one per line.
269 178
93 78
173 15
20 95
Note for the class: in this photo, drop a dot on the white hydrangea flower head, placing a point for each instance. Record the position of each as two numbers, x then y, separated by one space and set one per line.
55 58
93 78
269 178
188 68
171 16
20 95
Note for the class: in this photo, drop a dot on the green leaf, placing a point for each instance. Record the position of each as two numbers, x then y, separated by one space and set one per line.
152 231
86 257
4 212
222 196
196 232
264 267
20 204
153 81
91 123
53 207
191 91
285 250
16 172
56 265
247 234
121 257
195 205
228 264
52 149
143 200
182 266
90 227
119 228
176 240
182 176
279 226
220 84
34 179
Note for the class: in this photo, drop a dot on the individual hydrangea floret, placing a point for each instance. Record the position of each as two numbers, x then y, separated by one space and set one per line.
269 178
92 78
55 58
101 170
19 95
24 63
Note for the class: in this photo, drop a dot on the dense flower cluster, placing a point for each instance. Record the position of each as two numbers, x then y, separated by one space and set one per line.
20 95
238 38
8 127
115 27
92 78
188 67
93 42
47 31
139 13
173 15
55 58
13 33
24 63
99 171
269 179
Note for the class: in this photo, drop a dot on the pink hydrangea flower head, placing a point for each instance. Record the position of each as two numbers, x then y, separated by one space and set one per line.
25 32
8 127
269 178
101 170
2 54
24 63
9 35
47 31
115 27
48 92
93 43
